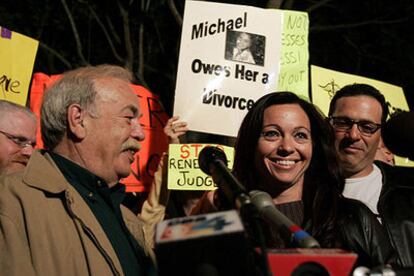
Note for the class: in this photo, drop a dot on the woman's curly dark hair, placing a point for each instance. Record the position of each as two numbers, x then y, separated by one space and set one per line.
323 182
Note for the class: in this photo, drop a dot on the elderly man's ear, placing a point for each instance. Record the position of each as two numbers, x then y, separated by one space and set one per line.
76 121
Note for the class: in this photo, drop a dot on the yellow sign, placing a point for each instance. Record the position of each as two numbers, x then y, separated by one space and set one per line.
184 172
293 74
326 82
17 55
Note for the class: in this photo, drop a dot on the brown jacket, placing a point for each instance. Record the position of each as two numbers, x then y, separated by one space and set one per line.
46 228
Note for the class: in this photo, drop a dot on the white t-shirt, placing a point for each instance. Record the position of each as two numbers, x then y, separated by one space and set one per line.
366 189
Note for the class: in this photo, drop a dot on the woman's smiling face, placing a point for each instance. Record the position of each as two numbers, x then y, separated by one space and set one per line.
284 148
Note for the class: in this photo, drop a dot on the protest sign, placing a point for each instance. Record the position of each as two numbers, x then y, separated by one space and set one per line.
17 55
184 172
230 56
294 61
152 121
326 82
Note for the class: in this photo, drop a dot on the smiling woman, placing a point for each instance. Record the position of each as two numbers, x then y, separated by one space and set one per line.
285 147
284 150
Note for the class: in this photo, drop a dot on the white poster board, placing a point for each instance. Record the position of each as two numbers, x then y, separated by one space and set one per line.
229 57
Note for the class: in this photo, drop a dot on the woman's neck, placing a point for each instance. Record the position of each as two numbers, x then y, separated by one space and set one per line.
290 194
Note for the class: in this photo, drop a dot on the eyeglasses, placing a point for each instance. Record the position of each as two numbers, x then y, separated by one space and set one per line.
344 124
18 140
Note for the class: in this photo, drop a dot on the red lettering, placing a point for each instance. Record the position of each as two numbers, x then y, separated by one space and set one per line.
184 149
196 146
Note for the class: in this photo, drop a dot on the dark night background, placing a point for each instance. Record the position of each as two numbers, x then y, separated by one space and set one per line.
372 38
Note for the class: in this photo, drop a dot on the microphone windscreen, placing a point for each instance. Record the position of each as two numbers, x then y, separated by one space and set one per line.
208 155
266 207
261 199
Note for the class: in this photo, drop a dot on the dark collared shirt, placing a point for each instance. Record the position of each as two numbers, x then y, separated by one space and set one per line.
105 205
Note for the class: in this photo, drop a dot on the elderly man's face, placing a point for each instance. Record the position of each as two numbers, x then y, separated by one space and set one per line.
16 128
113 137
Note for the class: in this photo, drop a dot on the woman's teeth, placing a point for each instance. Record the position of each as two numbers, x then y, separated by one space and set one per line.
285 162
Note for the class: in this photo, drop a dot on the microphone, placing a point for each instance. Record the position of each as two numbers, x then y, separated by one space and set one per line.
383 271
213 161
209 244
398 134
264 204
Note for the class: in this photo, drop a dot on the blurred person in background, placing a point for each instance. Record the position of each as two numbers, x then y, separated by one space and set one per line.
384 154
17 136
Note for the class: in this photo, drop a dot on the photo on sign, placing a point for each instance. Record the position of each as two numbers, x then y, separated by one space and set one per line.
245 47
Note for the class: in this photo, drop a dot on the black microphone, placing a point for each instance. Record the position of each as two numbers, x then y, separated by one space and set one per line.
264 204
213 161
398 134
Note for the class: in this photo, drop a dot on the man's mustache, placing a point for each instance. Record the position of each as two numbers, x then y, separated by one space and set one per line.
346 143
131 145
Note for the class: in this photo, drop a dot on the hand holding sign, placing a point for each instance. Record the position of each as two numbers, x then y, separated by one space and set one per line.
174 129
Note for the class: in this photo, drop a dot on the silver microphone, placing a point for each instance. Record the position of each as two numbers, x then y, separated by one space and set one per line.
264 204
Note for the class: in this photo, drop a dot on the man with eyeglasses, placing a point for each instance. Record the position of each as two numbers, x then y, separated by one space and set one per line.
17 136
357 113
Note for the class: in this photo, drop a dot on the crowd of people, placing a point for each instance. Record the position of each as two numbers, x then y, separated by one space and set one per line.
61 210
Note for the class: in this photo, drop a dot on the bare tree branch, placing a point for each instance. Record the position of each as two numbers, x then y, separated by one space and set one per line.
75 33
288 4
147 6
106 33
141 55
141 63
274 4
112 29
357 24
177 16
127 38
56 54
357 50
158 35
318 4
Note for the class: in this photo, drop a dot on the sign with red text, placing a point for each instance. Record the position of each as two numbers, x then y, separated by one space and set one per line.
184 172
153 121
17 55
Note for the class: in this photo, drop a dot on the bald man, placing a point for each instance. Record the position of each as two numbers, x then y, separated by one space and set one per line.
17 136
